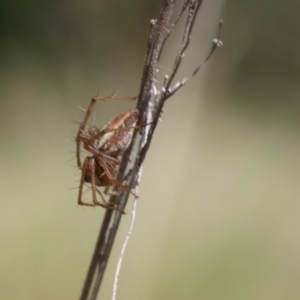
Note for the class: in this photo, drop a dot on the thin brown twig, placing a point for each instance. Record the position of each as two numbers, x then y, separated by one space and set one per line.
150 103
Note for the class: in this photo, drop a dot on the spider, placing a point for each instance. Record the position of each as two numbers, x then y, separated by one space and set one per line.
105 145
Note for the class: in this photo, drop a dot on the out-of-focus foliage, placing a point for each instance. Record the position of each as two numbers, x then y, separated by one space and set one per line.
263 58
218 214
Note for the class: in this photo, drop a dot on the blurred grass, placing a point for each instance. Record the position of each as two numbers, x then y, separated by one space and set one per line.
218 214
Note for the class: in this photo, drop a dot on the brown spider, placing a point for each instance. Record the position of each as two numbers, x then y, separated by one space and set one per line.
106 145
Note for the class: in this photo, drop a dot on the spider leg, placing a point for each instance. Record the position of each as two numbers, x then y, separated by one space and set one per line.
80 134
104 163
83 172
104 204
93 182
94 188
88 165
112 97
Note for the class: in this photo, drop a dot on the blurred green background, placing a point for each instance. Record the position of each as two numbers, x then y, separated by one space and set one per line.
218 213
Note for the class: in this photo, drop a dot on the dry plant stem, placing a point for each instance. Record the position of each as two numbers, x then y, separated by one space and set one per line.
150 103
